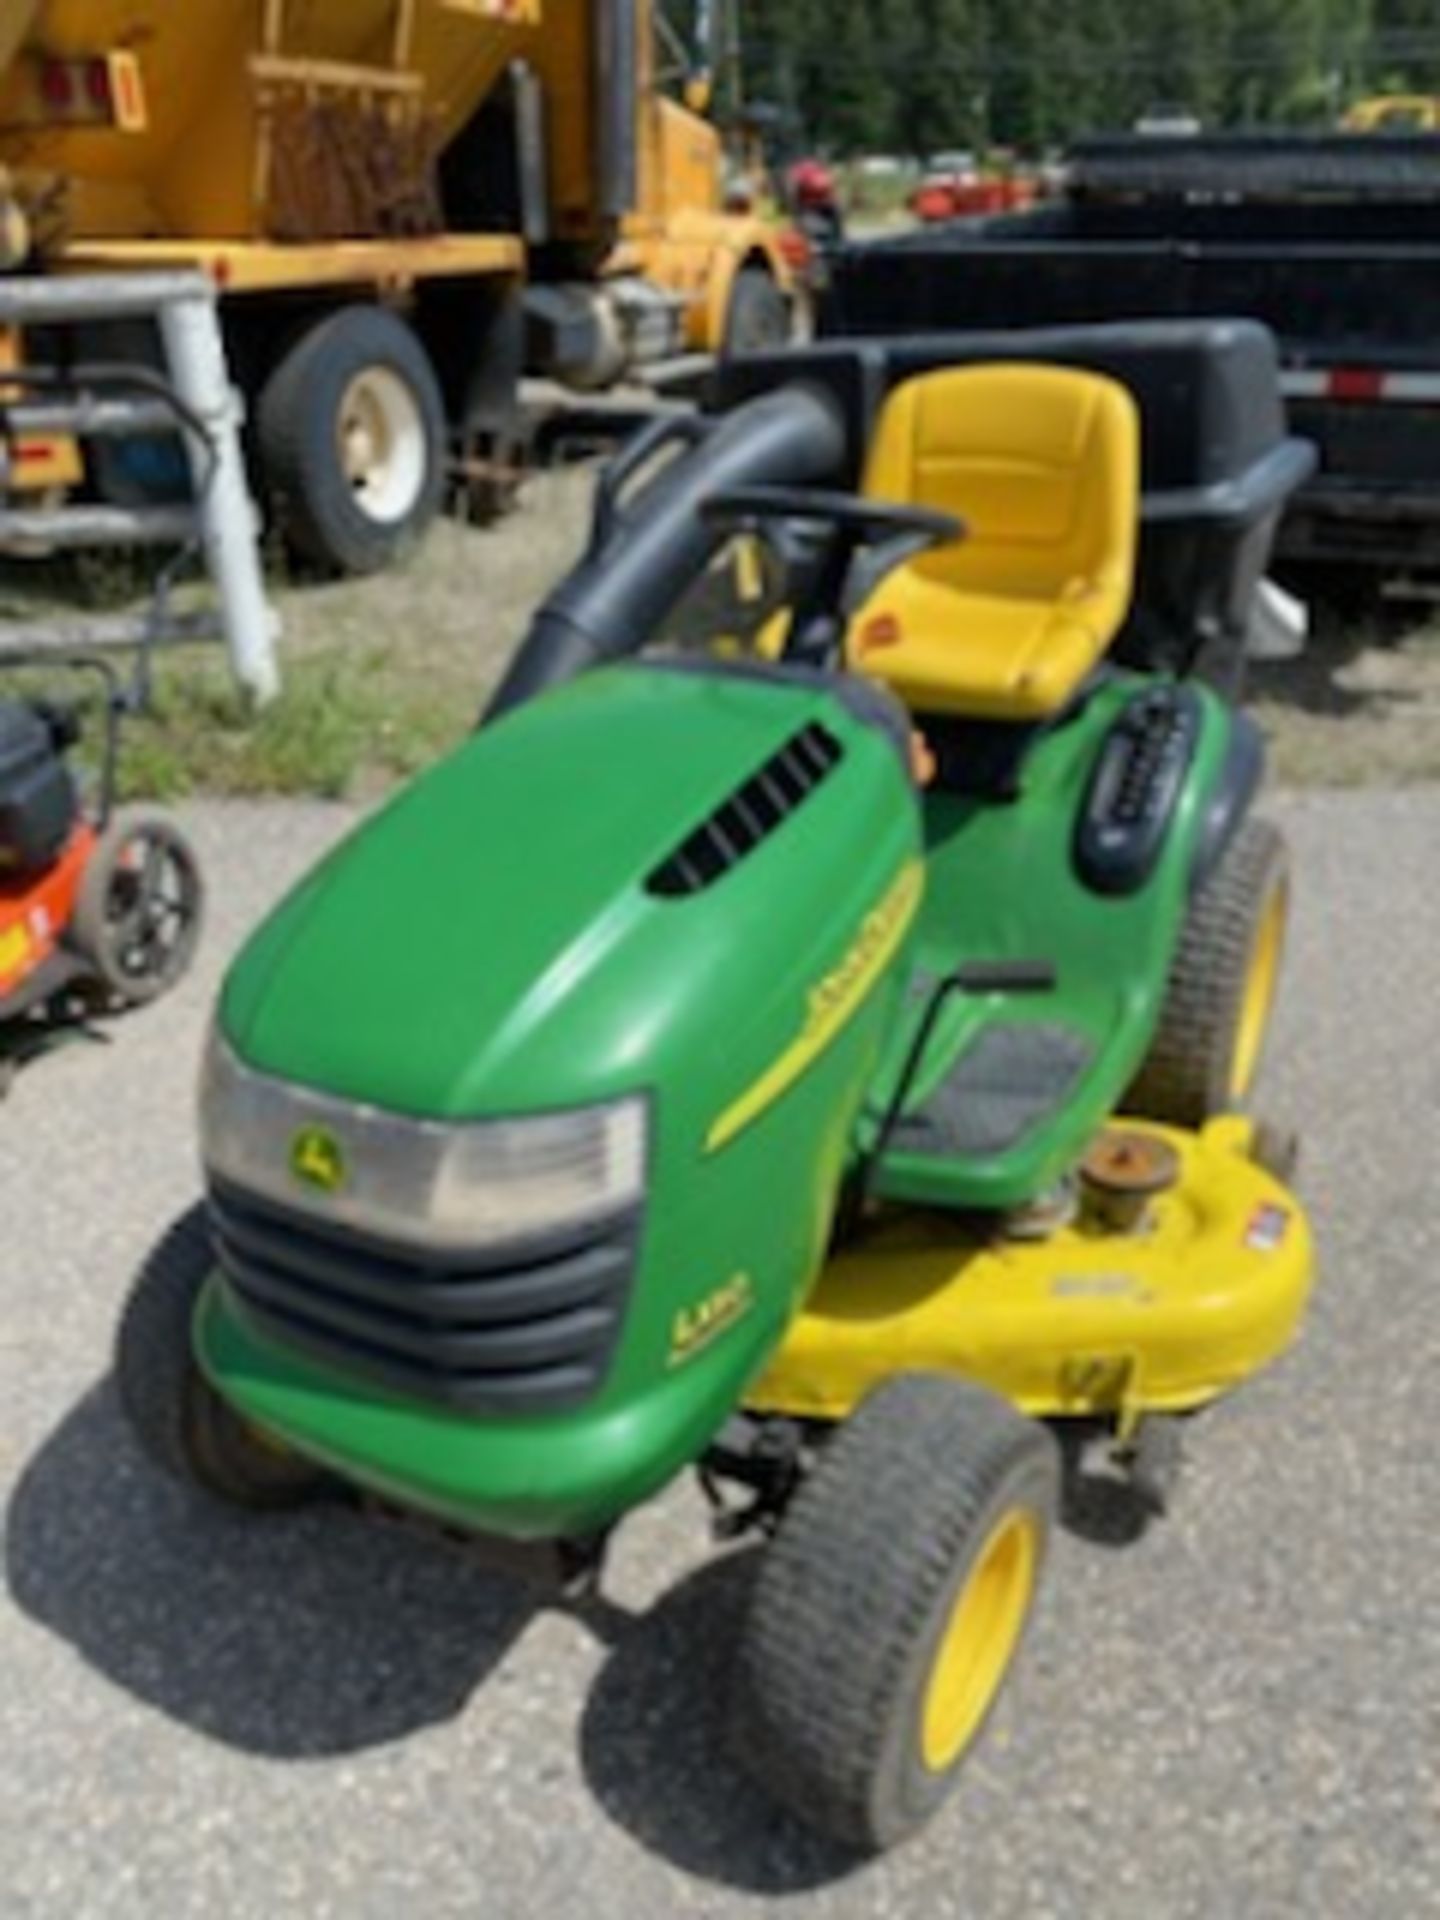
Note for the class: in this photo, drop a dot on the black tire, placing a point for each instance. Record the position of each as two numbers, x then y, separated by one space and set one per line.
759 316
335 521
140 910
855 1595
1205 1055
176 1415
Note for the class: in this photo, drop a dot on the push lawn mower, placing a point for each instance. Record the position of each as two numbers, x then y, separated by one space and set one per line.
99 909
716 1061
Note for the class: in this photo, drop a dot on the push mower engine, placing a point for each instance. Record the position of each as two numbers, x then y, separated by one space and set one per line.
98 910
39 803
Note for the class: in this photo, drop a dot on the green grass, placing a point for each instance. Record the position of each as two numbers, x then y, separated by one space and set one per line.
334 724
380 676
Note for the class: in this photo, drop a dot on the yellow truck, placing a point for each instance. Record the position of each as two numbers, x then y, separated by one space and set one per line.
405 204
1394 113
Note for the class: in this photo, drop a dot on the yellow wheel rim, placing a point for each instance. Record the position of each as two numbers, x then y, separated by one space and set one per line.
980 1639
1258 995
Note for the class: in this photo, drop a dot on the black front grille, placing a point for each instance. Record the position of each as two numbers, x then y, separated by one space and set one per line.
751 814
522 1329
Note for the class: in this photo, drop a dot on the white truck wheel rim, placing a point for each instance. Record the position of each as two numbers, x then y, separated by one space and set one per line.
382 444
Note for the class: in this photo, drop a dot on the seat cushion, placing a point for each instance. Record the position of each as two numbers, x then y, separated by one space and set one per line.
1042 465
998 657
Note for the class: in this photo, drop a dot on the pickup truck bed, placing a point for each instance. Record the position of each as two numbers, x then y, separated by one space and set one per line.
1333 242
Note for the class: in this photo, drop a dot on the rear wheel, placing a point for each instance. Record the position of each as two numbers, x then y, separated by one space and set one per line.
351 429
138 918
1206 1053
177 1416
890 1606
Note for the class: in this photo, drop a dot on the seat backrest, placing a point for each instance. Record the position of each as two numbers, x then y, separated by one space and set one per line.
1040 462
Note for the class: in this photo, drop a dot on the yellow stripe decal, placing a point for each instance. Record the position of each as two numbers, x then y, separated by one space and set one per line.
833 1002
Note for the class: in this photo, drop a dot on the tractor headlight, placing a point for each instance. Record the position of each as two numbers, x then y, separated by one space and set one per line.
450 1185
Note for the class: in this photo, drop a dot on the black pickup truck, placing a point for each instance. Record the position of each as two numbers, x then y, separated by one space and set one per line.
1333 241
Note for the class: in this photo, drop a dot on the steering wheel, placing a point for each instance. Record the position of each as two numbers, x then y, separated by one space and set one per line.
866 540
866 522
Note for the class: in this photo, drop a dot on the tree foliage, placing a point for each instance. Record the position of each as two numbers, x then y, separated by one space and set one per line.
909 76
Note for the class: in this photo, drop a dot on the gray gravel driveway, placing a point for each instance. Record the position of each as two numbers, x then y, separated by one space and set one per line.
1237 1715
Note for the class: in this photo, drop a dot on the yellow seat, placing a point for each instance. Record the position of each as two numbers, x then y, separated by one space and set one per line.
1043 465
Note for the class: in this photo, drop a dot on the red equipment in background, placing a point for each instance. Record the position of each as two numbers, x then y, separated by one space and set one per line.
957 187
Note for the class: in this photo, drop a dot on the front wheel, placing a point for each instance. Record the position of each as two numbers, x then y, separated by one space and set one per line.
183 1425
890 1606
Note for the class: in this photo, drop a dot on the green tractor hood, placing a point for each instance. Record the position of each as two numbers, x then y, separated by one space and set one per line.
691 887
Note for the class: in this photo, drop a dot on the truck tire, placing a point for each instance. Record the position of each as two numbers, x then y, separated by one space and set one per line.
889 1607
1207 1049
351 438
759 316
183 1425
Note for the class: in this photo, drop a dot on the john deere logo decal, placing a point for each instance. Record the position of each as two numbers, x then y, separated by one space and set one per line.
318 1160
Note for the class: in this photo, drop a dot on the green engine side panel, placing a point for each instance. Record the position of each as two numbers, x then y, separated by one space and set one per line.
1003 885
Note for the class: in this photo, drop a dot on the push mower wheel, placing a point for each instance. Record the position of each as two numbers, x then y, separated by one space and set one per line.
137 920
889 1607
1207 1049
178 1418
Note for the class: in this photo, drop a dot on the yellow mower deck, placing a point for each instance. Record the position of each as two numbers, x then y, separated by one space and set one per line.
1088 1322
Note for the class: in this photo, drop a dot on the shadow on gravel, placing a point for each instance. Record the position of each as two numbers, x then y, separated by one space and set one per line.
328 1632
654 1749
322 1633
1345 633
1315 683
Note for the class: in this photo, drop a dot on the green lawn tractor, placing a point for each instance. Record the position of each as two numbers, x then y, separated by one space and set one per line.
810 1043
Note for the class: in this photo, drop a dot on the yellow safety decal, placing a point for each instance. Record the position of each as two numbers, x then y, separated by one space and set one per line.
1267 1228
15 949
695 1327
832 1003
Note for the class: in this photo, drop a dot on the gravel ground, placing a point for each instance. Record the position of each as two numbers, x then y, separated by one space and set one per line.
1238 1714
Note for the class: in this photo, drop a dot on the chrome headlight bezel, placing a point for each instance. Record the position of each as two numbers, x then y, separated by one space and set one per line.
448 1186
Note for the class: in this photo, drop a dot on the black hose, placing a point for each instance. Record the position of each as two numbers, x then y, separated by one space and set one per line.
611 603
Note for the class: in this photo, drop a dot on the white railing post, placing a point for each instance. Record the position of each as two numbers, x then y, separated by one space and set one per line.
190 328
222 517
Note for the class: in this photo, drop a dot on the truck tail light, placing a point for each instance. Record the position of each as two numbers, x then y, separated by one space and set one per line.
99 90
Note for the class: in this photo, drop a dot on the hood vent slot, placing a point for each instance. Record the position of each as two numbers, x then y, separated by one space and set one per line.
751 814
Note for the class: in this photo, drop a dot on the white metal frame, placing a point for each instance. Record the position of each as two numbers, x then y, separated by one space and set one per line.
223 520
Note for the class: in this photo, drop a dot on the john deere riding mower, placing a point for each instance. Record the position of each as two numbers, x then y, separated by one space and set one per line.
822 1061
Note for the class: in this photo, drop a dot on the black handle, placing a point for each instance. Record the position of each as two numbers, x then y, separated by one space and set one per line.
867 520
1006 976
